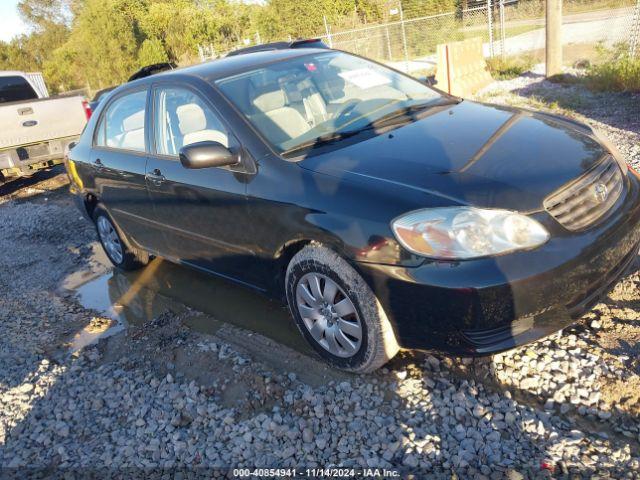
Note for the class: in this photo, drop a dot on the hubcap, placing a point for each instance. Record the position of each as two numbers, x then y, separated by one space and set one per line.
110 240
329 315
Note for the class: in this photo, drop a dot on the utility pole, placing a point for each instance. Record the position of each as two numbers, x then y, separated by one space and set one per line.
553 48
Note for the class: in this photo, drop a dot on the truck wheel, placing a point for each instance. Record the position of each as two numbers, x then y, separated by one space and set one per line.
337 312
115 245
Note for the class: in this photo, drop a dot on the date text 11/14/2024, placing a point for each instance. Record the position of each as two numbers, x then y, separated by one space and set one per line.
333 472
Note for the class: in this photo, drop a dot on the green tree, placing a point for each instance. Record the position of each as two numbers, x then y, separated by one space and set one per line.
152 51
99 43
104 41
13 55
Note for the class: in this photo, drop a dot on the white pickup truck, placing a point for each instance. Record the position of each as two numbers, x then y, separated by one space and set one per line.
35 129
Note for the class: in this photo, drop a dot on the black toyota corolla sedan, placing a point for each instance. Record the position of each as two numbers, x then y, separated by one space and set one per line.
388 214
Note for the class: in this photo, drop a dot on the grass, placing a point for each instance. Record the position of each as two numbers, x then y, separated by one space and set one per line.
618 74
509 67
591 5
613 70
534 9
520 29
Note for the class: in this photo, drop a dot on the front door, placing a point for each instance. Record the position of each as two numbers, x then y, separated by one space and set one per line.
203 212
119 158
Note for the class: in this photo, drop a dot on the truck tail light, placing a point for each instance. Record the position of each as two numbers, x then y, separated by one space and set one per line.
87 109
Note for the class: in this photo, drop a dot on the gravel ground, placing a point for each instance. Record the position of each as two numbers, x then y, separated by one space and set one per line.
163 395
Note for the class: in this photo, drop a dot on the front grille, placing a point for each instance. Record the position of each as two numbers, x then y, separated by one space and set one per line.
584 201
485 338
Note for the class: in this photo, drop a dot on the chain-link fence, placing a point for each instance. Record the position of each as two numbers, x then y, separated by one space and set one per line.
587 27
507 27
409 44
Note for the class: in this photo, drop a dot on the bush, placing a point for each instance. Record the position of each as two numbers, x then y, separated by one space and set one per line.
504 68
621 73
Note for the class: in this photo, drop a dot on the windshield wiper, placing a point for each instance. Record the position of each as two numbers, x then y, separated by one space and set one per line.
321 140
405 115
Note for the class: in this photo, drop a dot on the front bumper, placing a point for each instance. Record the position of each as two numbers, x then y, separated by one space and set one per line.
484 306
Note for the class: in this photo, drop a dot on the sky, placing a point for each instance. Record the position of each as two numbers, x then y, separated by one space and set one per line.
10 23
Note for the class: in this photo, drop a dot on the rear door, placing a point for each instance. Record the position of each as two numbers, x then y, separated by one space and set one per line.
203 212
119 160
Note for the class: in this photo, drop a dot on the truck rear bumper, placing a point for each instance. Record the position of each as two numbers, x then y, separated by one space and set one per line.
27 159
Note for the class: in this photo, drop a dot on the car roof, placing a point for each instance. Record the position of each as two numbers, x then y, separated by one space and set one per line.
301 43
228 66
12 73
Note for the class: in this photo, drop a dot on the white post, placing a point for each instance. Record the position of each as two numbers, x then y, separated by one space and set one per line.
503 35
490 24
404 40
326 28
635 31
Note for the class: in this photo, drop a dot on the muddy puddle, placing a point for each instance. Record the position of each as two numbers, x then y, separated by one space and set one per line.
134 298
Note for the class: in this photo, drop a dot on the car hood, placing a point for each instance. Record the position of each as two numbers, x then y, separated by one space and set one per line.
472 154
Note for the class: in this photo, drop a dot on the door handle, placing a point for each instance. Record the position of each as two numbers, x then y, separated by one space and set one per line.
98 164
155 177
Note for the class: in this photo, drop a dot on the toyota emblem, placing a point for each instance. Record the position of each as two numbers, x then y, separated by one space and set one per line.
600 192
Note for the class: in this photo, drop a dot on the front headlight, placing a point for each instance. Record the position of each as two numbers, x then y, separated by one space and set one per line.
457 233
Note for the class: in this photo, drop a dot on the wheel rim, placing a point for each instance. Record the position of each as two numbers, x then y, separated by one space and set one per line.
329 315
110 240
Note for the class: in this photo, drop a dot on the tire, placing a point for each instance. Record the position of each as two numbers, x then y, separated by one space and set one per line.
115 244
348 327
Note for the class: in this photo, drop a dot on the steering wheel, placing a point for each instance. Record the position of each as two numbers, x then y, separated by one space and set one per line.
346 110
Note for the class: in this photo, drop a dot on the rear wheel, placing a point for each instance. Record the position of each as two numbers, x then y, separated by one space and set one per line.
337 312
115 245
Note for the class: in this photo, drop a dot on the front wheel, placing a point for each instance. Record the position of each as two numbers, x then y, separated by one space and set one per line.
119 251
337 312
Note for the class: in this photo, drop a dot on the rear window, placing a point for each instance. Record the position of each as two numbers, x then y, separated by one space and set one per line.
15 89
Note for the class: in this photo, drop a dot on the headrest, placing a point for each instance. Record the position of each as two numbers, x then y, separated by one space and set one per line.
133 122
267 99
191 118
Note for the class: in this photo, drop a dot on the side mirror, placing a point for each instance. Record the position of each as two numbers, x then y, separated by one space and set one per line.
206 154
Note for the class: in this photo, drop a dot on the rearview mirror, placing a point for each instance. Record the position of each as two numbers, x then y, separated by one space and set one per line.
206 154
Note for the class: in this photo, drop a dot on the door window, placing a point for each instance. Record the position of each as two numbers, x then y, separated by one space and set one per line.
183 118
124 123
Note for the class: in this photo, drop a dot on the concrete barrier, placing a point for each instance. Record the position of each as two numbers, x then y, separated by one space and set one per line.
462 70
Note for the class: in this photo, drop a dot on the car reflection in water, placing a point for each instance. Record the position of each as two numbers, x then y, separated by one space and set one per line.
134 298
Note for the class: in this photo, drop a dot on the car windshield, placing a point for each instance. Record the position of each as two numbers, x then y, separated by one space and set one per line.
323 98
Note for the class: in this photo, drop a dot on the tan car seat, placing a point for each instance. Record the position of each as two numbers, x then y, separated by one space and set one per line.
281 121
192 123
132 138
